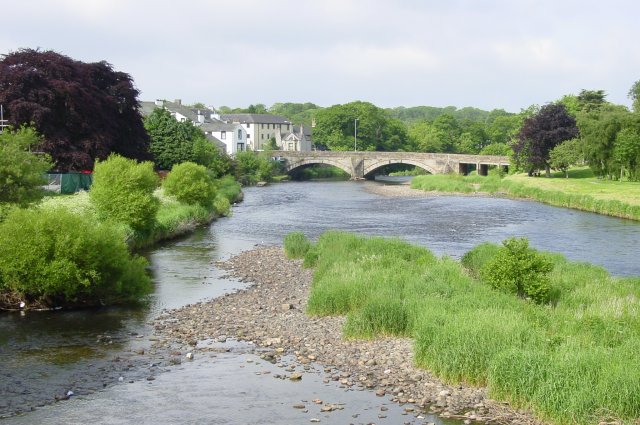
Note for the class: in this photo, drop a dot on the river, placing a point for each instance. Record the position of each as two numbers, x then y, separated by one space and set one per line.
44 355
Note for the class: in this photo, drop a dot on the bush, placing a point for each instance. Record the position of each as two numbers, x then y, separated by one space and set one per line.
190 183
54 257
518 269
296 245
122 190
21 172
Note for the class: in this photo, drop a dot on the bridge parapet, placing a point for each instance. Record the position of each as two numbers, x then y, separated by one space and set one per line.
359 164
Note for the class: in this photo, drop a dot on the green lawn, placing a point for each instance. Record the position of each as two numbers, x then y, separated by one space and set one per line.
582 181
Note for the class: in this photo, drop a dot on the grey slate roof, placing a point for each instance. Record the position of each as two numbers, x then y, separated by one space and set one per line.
218 126
254 118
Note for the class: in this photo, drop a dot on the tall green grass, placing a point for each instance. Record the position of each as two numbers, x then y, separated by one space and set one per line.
575 361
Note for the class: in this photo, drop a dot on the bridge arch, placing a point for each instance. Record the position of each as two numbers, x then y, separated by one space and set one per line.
369 168
303 162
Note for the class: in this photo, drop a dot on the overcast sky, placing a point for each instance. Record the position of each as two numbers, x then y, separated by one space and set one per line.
488 54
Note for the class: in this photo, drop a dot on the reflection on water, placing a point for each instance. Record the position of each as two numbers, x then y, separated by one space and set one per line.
45 353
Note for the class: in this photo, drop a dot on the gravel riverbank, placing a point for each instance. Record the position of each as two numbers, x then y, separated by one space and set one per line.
271 314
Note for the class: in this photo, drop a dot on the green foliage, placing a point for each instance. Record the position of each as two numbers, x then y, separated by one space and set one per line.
565 155
191 184
296 245
271 145
216 161
71 259
298 113
634 95
519 269
576 362
335 127
174 142
21 172
251 167
627 152
122 190
442 182
228 187
498 149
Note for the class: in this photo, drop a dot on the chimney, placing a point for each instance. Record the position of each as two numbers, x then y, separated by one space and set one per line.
200 117
159 102
178 102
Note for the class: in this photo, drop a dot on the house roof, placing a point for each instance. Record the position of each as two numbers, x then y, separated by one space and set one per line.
305 129
217 142
218 126
146 108
255 118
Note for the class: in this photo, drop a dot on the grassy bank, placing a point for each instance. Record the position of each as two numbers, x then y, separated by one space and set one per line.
580 191
572 361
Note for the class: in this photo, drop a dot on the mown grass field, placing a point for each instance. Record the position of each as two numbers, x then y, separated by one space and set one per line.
582 181
582 190
573 361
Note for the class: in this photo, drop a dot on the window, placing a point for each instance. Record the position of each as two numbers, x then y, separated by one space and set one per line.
239 134
240 147
261 125
292 146
248 135
287 127
248 125
262 136
223 135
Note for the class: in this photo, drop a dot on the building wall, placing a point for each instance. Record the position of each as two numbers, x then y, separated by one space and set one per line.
231 139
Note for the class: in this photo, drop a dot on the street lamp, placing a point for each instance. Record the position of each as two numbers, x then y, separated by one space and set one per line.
355 135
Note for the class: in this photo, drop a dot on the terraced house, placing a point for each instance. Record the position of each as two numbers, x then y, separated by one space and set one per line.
237 132
263 127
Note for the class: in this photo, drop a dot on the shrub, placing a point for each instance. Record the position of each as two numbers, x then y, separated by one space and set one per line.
190 183
222 205
296 245
519 269
122 190
53 256
21 172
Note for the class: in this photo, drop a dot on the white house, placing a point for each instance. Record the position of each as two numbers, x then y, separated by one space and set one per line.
233 135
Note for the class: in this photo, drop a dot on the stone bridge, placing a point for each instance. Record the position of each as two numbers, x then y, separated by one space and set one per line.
365 163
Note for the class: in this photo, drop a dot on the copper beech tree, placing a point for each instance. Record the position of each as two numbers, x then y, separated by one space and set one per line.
84 111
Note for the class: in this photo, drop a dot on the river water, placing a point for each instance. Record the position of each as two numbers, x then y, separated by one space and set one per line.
45 355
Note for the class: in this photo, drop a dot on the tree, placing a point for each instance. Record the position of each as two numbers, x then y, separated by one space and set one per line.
335 128
498 149
84 111
627 152
565 155
589 100
634 95
21 171
174 142
540 133
598 131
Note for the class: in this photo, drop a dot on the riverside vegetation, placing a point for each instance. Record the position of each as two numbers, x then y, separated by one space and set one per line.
581 190
78 250
567 350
